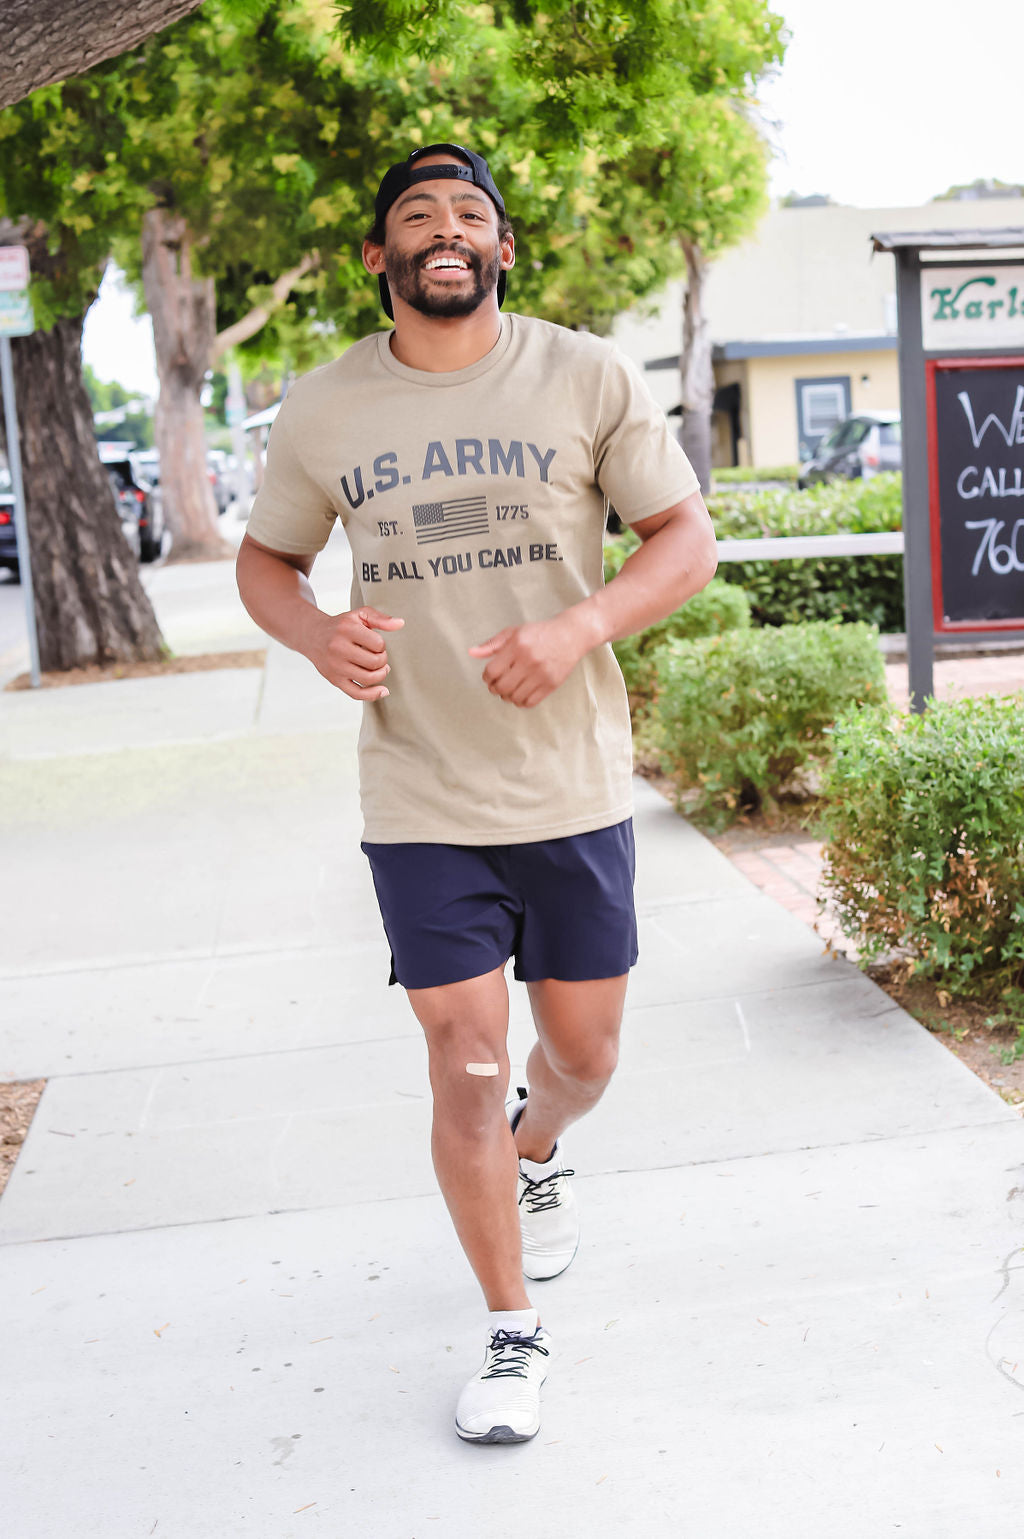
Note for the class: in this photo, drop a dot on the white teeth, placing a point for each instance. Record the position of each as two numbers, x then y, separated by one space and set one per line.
446 262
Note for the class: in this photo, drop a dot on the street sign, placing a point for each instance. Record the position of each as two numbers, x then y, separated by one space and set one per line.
13 267
16 321
961 355
16 313
972 308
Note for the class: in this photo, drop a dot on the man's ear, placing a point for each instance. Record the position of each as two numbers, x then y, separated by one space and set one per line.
373 257
508 252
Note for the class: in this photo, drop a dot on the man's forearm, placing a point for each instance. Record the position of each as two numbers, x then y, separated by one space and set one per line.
279 597
671 565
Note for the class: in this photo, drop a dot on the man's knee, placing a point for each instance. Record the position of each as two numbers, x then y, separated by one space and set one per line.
467 1063
590 1060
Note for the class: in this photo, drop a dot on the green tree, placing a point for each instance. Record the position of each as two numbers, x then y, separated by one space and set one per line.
246 144
658 90
117 413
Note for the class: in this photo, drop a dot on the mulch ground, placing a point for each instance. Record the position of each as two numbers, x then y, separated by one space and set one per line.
18 1104
202 662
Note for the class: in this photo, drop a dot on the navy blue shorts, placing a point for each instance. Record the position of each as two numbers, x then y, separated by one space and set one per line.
562 907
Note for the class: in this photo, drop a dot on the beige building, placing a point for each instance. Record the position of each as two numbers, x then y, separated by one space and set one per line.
803 320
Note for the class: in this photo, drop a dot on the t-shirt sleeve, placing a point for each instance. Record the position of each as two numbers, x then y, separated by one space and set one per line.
640 466
291 511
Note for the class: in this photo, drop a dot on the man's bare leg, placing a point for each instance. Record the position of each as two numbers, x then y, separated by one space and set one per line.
573 1058
473 1150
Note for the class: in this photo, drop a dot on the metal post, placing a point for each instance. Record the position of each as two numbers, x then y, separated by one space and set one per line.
917 560
17 486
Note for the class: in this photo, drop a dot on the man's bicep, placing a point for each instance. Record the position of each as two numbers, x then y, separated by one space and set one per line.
301 563
690 511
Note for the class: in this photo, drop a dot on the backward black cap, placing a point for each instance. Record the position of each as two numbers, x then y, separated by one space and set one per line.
397 179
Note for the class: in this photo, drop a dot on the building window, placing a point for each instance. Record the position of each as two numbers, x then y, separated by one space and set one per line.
820 404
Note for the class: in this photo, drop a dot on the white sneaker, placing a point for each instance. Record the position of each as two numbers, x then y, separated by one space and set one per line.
501 1404
549 1220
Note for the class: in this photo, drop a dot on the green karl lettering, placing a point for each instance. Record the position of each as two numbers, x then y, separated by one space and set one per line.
973 309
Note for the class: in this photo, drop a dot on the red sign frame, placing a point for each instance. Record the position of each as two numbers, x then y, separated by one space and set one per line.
932 366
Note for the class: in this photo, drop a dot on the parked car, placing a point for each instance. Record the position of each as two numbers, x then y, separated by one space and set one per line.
220 467
862 445
146 463
8 538
139 502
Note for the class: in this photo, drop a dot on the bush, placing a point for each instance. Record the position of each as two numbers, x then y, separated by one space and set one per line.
925 839
743 714
719 607
740 475
786 591
616 552
839 507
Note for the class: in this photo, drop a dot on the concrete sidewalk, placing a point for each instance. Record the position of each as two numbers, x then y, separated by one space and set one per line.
233 1303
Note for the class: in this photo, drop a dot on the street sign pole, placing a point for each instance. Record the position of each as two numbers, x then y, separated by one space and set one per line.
917 559
20 526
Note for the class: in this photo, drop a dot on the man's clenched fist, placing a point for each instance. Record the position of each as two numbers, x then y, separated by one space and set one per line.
352 656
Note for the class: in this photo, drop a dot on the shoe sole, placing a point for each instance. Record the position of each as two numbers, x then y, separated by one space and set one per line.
500 1434
496 1435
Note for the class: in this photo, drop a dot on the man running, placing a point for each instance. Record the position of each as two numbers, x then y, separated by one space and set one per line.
470 457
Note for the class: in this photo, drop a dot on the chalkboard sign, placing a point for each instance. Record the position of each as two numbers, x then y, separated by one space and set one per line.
976 454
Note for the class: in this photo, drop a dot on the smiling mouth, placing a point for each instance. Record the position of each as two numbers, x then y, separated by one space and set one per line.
446 264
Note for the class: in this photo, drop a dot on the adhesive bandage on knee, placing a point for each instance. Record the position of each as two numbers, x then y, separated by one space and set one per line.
486 1070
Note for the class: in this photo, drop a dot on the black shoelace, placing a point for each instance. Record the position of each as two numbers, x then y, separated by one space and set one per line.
541 1196
512 1360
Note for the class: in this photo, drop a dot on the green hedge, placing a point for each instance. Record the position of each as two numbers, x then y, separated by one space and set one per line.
741 716
786 592
740 475
718 607
925 839
840 507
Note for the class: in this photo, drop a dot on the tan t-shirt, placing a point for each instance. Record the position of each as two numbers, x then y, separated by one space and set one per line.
472 501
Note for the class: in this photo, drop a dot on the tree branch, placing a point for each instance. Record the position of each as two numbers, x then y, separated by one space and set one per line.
48 40
259 315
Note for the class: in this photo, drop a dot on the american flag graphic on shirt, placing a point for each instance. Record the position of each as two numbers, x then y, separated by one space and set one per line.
452 520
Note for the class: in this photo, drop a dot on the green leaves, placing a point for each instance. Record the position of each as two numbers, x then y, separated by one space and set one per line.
718 607
744 716
925 839
786 591
616 127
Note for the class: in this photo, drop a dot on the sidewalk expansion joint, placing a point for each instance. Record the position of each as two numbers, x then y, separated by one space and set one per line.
231 953
596 1175
199 1063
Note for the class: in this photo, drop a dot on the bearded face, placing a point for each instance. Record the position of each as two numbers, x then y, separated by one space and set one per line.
448 282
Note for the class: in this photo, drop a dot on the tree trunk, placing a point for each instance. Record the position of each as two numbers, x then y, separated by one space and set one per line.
90 605
183 312
698 379
47 40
